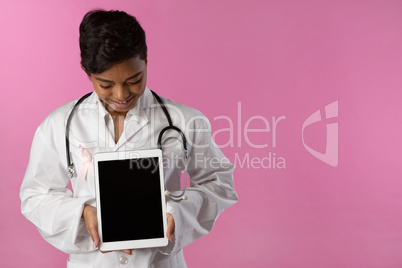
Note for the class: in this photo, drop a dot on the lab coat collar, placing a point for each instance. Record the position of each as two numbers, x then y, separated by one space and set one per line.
145 101
137 118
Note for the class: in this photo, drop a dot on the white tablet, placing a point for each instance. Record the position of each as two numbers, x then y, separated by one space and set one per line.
130 199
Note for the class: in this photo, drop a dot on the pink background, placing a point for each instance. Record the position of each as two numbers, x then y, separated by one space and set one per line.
277 58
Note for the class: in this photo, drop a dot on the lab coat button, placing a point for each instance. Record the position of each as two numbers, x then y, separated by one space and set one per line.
123 260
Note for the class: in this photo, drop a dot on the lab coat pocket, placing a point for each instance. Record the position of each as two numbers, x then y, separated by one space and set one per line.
170 261
71 264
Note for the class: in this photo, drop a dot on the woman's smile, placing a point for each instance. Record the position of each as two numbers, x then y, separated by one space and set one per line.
121 104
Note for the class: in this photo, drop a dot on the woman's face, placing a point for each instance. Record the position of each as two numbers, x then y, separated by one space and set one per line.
120 86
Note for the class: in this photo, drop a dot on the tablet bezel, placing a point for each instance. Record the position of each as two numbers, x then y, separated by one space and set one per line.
130 244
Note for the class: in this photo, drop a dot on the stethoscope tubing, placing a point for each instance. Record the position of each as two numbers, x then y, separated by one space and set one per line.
70 164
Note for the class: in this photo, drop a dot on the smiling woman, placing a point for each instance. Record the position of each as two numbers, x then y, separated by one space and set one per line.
121 115
114 55
118 88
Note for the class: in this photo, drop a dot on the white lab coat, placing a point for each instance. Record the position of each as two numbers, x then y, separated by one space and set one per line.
56 211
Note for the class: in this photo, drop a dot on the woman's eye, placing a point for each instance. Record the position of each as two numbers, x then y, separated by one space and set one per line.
104 87
134 83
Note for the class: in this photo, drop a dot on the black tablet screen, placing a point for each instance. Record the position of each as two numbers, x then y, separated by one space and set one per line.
130 198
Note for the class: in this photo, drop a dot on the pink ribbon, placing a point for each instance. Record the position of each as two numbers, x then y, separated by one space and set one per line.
86 163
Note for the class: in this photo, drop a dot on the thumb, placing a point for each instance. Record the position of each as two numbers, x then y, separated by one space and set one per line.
170 227
95 237
91 222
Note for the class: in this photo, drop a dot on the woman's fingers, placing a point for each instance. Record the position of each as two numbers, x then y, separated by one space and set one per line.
127 251
170 227
91 222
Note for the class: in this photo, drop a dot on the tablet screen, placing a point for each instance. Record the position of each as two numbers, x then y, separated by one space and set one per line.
130 198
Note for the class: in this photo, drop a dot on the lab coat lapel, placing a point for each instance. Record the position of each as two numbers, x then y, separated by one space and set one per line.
136 122
106 139
88 126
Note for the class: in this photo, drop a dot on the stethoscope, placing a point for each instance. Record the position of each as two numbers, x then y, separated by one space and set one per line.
70 164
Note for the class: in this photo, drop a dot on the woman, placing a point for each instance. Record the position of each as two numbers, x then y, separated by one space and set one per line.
121 114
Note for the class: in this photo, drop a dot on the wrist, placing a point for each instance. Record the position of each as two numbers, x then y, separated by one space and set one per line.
84 211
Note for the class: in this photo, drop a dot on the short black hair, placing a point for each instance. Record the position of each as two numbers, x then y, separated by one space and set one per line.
110 37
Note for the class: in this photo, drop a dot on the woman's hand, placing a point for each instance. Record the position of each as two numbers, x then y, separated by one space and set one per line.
170 226
91 222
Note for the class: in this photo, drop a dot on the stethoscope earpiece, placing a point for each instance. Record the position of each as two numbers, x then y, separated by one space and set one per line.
176 198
